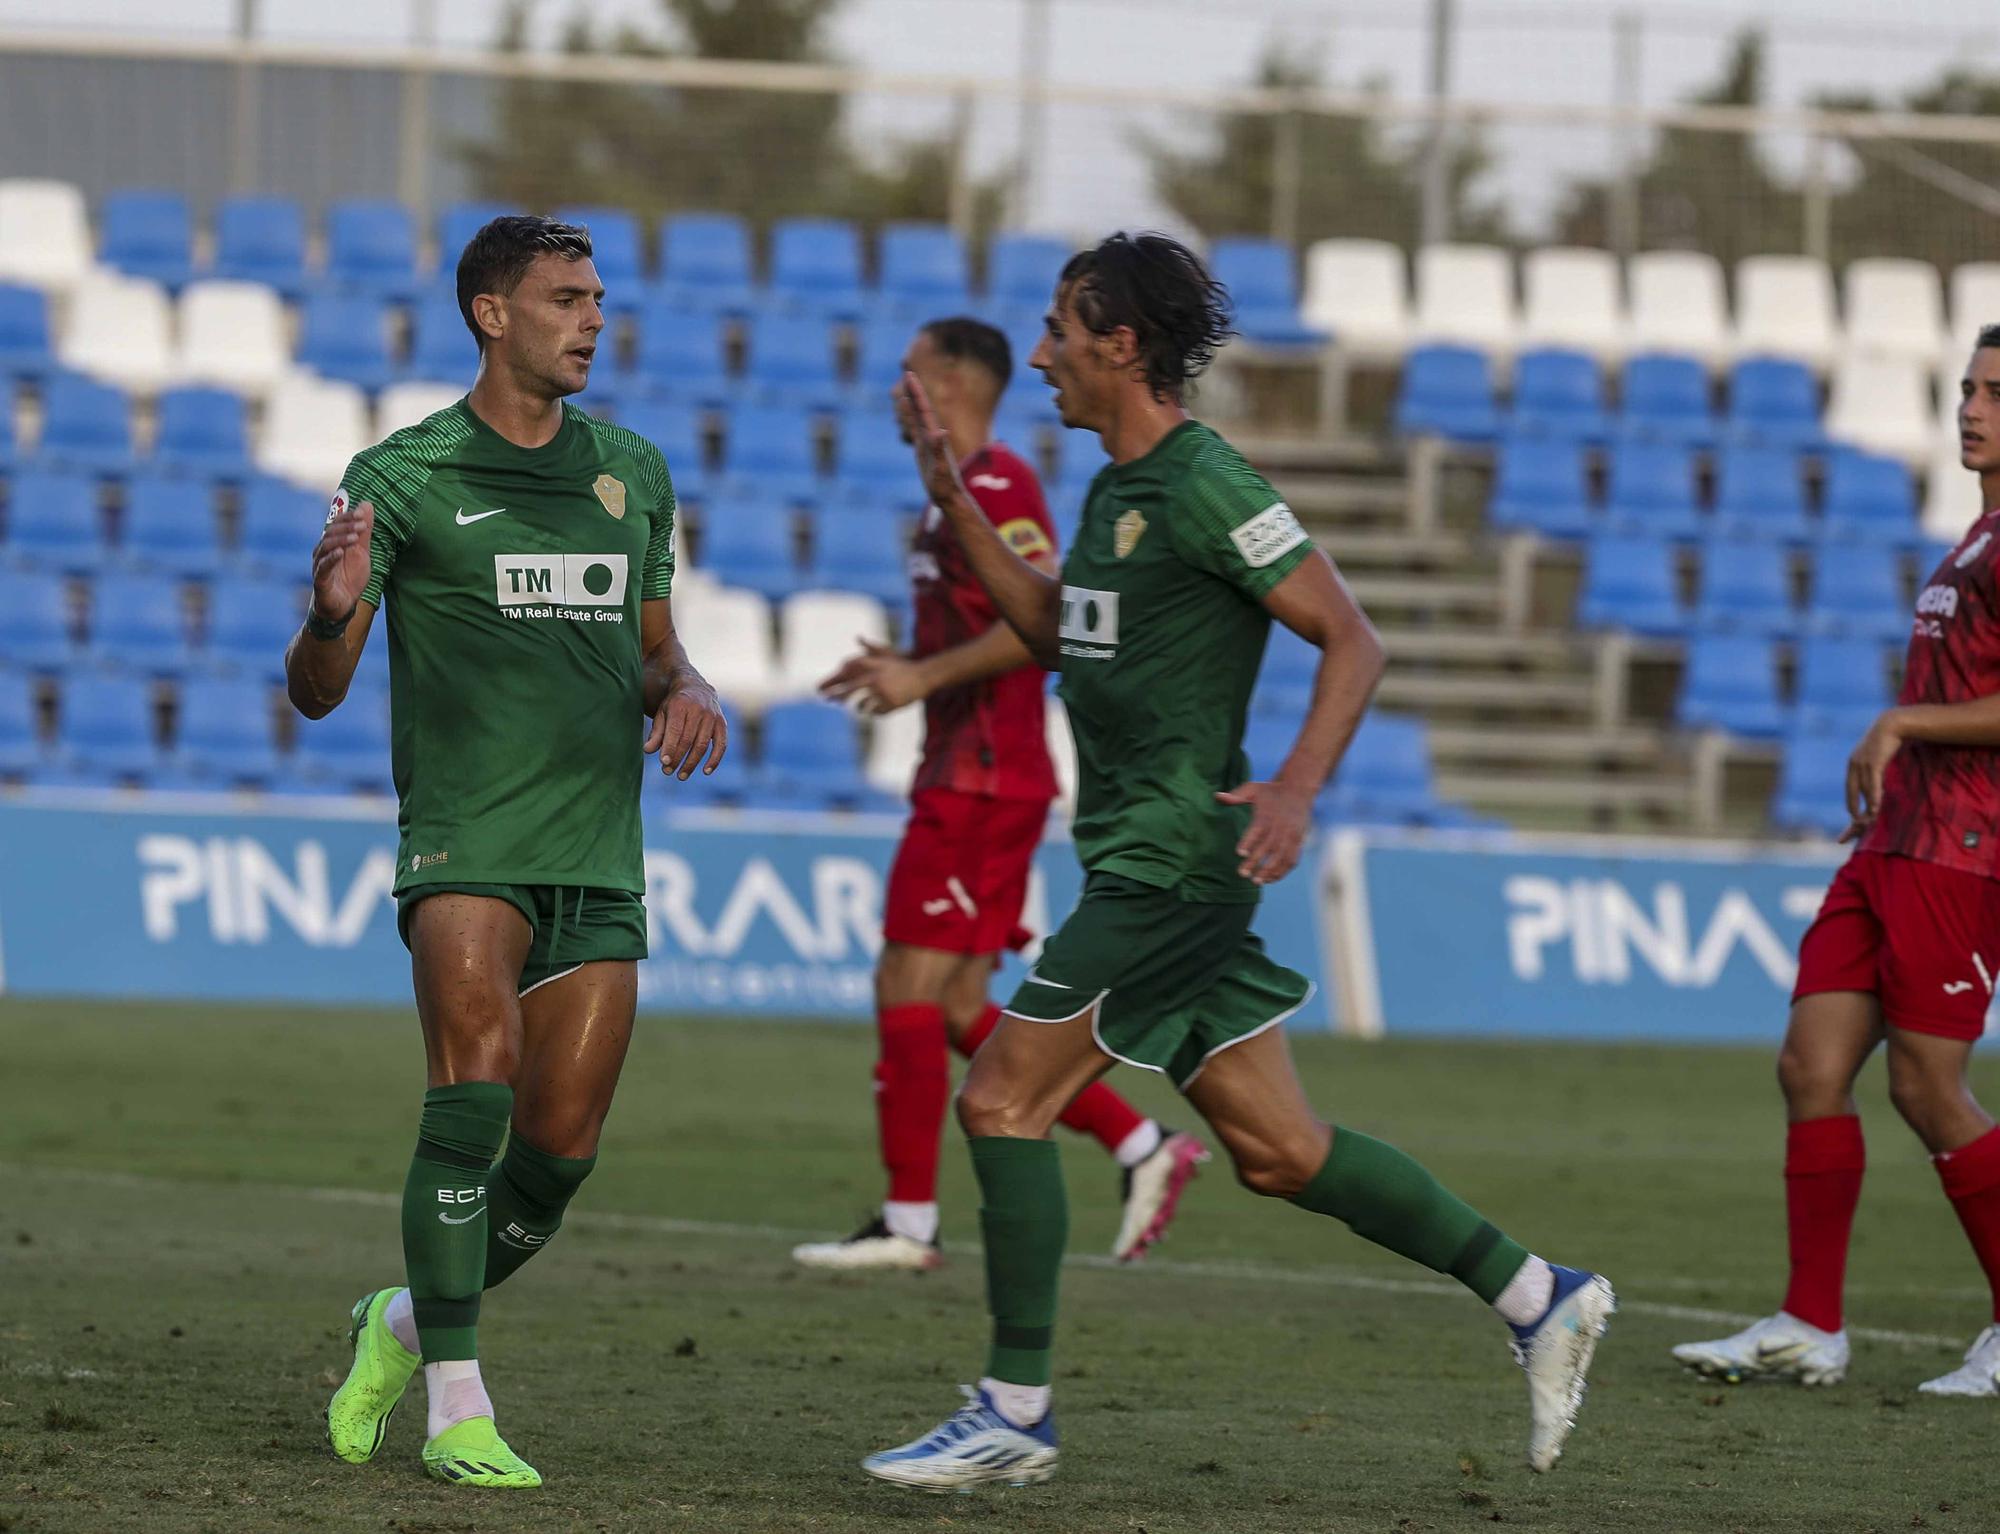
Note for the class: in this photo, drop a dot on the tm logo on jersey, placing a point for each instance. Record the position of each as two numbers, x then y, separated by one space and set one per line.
582 587
1088 623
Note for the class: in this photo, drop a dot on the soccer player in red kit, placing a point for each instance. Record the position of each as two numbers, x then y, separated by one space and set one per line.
977 807
1905 948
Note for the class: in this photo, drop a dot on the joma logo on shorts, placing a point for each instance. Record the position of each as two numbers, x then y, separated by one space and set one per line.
578 580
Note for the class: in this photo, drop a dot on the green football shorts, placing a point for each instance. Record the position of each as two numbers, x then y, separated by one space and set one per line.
1174 981
572 926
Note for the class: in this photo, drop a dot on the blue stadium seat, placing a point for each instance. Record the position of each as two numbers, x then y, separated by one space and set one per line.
457 223
680 355
169 525
86 426
1746 588
1665 398
1558 394
816 267
107 723
53 521
349 748
705 263
1856 591
873 460
441 348
879 362
1731 683
35 622
1774 402
752 546
1021 270
10 452
20 739
147 234
346 336
139 622
371 248
1758 493
1812 781
1628 583
774 450
1839 676
225 730
1868 499
1024 423
1285 679
1447 391
25 351
202 431
1263 292
278 526
1651 490
1385 777
852 554
676 431
617 251
923 269
249 624
262 239
1538 486
791 361
812 758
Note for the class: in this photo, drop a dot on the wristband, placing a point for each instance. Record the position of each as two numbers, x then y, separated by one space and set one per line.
329 628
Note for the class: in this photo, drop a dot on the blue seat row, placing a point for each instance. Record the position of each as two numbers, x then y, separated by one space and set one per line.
1731 683
87 428
55 522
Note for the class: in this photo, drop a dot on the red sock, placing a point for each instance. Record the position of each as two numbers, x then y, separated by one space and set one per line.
912 1086
974 1036
1824 1159
1971 1178
1097 1110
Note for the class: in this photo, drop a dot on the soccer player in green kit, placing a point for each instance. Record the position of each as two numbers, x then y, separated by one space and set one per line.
524 552
1157 625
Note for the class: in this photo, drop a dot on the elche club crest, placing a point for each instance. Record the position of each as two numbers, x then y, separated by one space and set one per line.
612 493
1126 533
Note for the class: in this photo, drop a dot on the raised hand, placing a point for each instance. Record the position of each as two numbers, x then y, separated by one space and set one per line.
340 561
880 680
932 442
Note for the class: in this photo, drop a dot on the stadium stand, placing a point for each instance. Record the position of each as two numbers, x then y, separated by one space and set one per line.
1883 405
169 526
811 759
1358 291
120 331
54 521
262 240
1540 487
705 264
1558 393
1774 402
1745 588
345 336
816 267
1895 308
349 748
20 738
202 431
44 234
1759 494
457 223
1265 292
1871 499
617 250
924 270
25 349
1629 583
35 624
371 248
1021 272
312 427
232 335
1732 684
791 362
1678 306
818 629
738 658
1785 308
250 621
225 732
277 527
107 726
1652 491
1448 391
1664 398
1975 301
147 233
1571 300
1856 591
1465 295
86 426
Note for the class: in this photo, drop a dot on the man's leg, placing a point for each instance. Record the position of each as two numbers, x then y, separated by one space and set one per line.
1829 1038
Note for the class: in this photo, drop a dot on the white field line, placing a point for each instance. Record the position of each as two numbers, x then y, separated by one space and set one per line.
1244 1272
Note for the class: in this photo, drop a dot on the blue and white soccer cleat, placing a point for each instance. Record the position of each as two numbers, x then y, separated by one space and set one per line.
1555 1352
972 1446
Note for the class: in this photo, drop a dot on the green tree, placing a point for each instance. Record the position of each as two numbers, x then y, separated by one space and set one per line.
1355 180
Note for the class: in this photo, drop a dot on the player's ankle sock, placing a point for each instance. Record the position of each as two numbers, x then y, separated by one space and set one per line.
912 1087
968 1042
402 1321
1527 1293
1144 1139
525 1200
455 1392
1022 1405
1106 1117
1024 1214
444 1213
919 1222
1824 1160
1386 1197
1971 1178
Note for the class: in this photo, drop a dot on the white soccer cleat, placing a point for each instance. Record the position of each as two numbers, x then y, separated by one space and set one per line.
874 1247
1780 1347
974 1445
1153 1193
1555 1354
1979 1375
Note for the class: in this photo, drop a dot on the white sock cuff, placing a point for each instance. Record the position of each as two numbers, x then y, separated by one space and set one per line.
1527 1293
1022 1405
918 1222
1139 1144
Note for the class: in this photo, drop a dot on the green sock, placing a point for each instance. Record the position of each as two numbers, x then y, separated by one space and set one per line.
526 1197
444 1213
1390 1199
1024 1214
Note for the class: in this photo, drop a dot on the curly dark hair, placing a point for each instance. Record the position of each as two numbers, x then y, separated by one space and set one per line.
1159 289
498 257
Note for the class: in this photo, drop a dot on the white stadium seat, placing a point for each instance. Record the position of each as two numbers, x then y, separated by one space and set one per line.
1360 291
1895 308
1678 305
312 427
1975 304
1571 298
895 742
119 330
817 630
1951 498
44 234
1883 404
233 336
1784 308
1465 295
405 404
727 631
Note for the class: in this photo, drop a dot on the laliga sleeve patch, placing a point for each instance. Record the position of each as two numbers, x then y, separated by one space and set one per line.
1267 536
338 504
1025 537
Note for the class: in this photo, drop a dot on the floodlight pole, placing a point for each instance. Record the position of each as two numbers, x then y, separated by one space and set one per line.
1436 226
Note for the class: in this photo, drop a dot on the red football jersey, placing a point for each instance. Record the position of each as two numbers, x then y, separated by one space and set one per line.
1942 803
985 737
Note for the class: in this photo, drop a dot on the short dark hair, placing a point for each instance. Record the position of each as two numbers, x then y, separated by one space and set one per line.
1989 335
1158 288
964 339
498 257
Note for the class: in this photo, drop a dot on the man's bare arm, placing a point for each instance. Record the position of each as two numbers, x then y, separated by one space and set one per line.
688 722
320 660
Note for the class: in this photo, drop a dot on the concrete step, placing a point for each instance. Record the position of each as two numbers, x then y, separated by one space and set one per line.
1665 797
1358 548
1383 596
1484 650
1608 752
1522 700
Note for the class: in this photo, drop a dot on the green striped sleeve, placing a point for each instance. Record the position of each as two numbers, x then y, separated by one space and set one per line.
1229 521
392 475
657 579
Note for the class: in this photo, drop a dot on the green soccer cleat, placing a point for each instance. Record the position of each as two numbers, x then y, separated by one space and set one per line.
471 1453
358 1416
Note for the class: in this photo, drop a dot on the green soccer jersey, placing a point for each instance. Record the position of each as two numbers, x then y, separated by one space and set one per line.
1162 631
510 580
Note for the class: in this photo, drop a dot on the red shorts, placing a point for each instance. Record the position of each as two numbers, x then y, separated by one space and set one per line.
961 874
1923 939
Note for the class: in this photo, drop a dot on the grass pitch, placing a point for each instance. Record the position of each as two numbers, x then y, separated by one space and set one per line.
193 1199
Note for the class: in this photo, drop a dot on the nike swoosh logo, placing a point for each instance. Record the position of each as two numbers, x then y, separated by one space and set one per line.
448 1220
1054 985
465 521
1767 1353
